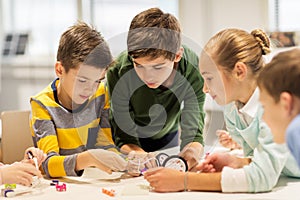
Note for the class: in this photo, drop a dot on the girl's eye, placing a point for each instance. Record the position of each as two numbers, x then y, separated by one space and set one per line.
157 68
209 79
139 66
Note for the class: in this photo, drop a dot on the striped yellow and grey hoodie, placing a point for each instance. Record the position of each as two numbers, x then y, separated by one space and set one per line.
63 133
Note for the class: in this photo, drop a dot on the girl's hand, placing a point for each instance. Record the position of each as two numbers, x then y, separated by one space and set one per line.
226 140
19 173
205 166
216 161
165 179
37 153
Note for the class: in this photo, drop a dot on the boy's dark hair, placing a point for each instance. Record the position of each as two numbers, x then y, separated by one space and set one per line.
282 74
153 33
82 43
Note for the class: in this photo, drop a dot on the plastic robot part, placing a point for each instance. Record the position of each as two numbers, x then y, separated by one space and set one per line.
161 157
10 186
176 162
61 188
35 181
54 182
12 193
4 191
111 192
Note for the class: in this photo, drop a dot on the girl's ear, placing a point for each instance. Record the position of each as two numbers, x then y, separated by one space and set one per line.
179 54
59 69
240 71
286 101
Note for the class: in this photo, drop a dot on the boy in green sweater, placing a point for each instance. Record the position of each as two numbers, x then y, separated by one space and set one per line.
154 90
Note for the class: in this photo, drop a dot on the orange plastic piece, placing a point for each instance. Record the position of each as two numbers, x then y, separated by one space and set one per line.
108 192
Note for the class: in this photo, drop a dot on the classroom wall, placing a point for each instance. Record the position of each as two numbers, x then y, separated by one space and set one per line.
200 19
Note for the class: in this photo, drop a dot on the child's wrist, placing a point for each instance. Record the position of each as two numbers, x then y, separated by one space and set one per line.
242 162
185 182
1 182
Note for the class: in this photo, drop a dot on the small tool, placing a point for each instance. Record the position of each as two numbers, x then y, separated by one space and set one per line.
30 156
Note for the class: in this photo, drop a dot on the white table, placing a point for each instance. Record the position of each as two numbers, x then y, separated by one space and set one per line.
83 188
90 185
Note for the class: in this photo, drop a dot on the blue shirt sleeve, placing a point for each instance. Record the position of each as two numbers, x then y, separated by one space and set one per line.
293 138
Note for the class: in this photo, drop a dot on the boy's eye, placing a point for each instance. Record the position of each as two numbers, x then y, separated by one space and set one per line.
158 67
139 66
81 80
209 78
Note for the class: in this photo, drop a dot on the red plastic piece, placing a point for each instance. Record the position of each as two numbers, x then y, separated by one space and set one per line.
61 188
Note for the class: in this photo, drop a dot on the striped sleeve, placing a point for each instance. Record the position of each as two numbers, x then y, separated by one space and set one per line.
44 134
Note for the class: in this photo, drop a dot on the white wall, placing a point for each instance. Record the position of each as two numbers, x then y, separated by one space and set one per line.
201 19
193 16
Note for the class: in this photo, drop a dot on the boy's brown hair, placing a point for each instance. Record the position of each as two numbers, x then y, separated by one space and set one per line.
153 33
282 74
82 43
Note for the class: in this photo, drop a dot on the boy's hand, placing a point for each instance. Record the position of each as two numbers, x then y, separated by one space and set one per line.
19 173
110 159
192 155
137 161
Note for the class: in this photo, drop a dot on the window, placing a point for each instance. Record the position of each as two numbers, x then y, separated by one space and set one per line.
43 20
284 15
46 20
112 18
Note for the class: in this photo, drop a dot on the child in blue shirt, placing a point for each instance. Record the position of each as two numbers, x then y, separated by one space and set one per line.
280 96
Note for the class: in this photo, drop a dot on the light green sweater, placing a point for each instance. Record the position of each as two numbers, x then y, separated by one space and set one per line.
269 159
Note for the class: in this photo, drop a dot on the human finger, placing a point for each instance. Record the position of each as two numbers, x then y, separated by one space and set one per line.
24 181
203 167
221 132
152 171
30 169
224 138
151 160
192 163
103 167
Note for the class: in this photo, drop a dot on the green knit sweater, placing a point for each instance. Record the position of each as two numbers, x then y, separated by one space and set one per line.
180 105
